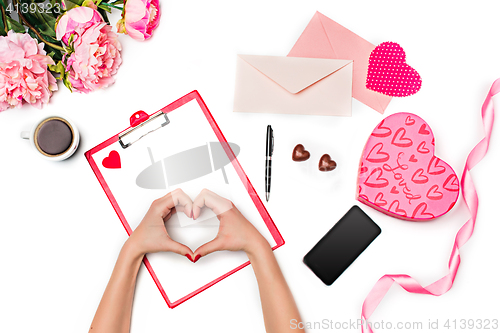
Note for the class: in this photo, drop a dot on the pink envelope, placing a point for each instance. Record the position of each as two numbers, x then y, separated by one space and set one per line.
325 38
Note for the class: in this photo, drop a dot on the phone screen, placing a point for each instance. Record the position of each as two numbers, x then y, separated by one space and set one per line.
350 236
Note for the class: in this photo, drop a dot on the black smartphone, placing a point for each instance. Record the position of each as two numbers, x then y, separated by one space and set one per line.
336 251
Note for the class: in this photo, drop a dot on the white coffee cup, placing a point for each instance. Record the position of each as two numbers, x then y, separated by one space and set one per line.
32 136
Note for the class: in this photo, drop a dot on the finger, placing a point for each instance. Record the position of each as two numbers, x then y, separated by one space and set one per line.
214 245
199 202
179 248
172 199
169 215
183 201
209 199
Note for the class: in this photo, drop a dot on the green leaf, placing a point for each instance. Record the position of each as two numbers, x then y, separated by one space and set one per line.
49 24
49 39
103 7
63 74
104 15
66 81
59 68
32 34
70 39
14 25
57 8
72 3
53 53
57 54
68 84
42 22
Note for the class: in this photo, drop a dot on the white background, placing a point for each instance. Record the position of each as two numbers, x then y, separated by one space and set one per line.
59 235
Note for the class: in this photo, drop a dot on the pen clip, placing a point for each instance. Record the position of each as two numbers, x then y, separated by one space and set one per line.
272 143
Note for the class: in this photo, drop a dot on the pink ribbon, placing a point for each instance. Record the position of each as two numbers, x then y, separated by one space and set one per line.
469 194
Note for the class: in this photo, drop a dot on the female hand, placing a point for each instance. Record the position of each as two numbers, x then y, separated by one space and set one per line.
151 235
235 231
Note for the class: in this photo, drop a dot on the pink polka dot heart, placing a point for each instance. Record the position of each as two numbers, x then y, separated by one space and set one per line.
389 74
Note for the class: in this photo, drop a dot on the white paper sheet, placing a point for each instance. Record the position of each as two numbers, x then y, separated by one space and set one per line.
188 129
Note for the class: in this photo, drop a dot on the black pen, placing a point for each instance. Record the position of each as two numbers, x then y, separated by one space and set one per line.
269 154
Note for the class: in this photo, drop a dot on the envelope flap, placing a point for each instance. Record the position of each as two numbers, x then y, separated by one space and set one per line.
294 74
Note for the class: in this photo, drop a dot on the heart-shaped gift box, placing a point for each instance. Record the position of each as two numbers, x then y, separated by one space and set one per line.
399 174
389 74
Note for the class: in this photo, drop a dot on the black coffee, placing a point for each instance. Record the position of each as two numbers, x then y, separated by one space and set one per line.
53 137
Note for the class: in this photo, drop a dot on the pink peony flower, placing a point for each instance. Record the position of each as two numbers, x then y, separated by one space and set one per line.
77 20
23 72
139 18
95 55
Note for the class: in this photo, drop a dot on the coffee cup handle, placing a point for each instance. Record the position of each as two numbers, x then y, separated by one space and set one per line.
25 135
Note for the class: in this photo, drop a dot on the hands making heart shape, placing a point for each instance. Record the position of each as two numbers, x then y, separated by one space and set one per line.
235 231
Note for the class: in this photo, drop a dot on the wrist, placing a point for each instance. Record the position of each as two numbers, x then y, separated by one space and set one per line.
132 249
257 247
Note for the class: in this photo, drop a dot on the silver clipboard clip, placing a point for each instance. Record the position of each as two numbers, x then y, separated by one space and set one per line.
139 120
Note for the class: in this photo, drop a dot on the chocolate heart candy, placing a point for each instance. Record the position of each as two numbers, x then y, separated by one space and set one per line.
326 163
300 154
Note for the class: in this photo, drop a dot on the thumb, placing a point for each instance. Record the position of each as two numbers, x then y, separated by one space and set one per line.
214 245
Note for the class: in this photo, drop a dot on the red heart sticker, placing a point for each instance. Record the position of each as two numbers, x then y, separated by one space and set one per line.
389 74
399 174
113 160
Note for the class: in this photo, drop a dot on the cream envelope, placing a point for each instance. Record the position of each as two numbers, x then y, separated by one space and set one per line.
325 38
267 84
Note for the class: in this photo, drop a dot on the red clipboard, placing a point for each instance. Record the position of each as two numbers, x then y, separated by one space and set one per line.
137 120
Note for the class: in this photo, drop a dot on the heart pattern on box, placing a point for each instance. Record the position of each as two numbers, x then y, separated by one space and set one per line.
389 74
113 160
399 174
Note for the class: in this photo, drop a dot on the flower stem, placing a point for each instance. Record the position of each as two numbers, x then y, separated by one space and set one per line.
4 18
54 46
